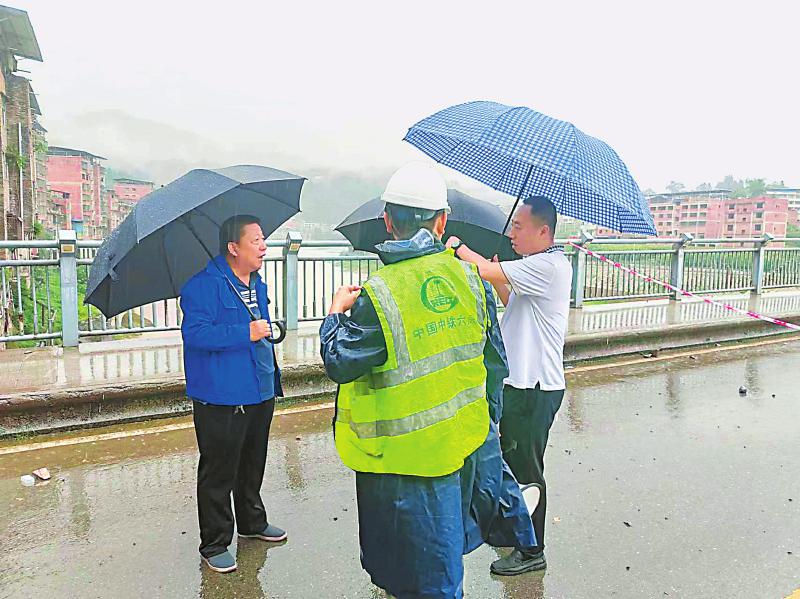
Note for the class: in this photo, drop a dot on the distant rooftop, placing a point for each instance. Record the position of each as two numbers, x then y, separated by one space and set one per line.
16 34
134 182
60 151
684 194
35 103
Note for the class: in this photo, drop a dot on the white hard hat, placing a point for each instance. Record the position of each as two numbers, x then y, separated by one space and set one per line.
417 185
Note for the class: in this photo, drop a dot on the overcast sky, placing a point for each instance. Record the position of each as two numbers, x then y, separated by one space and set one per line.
689 91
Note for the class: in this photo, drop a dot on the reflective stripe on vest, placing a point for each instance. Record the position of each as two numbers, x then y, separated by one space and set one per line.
406 369
414 422
424 410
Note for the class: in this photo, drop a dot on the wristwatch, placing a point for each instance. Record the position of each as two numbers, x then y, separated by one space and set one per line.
455 245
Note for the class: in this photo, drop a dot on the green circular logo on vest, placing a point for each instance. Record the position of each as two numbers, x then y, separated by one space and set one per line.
438 295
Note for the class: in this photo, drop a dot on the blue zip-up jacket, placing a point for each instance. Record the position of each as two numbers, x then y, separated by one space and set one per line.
218 357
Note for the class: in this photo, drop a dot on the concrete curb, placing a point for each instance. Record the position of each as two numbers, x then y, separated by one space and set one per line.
63 409
591 346
100 405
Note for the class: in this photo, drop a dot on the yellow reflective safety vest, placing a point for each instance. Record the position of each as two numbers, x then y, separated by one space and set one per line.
425 409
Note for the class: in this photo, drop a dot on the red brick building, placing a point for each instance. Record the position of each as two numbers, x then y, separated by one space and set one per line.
132 190
793 195
700 213
58 211
17 140
753 217
123 197
82 175
716 215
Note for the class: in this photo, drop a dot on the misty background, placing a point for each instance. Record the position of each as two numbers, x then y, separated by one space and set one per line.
686 92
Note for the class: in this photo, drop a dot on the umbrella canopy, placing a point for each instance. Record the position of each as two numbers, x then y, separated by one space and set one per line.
522 152
168 235
478 223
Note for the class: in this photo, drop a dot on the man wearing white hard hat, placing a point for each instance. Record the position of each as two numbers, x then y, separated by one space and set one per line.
420 363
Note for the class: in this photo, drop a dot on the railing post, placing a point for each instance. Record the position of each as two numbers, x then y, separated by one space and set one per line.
290 282
758 263
579 270
676 264
68 275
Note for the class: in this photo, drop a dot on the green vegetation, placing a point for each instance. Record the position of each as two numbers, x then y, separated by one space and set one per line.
15 158
740 188
793 231
41 275
40 146
44 275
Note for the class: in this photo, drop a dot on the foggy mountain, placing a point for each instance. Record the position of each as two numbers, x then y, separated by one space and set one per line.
156 151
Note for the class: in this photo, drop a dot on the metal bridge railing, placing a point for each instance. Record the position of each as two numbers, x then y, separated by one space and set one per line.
43 283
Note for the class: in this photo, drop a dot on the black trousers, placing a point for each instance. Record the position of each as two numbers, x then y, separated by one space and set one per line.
525 425
233 454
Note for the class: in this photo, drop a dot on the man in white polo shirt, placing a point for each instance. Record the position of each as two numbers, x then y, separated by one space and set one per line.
536 292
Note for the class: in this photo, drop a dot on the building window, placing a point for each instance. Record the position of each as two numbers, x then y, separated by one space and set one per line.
760 205
731 215
731 206
730 228
757 227
759 215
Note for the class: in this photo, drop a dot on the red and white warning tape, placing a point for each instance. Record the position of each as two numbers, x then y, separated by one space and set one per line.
708 300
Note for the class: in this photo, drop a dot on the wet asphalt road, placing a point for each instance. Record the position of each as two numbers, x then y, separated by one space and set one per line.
664 482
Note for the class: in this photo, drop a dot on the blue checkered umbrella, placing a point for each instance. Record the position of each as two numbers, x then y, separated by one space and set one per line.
522 152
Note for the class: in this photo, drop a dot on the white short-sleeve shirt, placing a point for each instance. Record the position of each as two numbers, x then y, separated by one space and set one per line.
534 325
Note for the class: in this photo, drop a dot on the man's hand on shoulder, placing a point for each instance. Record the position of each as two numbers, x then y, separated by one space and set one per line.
344 298
489 271
451 240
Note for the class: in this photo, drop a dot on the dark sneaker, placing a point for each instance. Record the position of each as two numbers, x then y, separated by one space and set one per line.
223 562
519 562
271 533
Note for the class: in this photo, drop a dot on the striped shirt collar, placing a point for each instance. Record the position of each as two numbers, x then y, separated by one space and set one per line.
554 248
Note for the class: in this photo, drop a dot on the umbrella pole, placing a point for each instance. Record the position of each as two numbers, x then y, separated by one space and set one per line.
514 208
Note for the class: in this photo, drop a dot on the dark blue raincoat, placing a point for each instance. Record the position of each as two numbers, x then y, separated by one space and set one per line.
414 530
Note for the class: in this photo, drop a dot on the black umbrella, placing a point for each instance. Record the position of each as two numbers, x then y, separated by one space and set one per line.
171 233
477 223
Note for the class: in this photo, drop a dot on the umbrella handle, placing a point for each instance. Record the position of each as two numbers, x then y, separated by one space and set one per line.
281 326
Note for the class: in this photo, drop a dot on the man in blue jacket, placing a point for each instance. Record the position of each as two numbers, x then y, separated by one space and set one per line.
232 378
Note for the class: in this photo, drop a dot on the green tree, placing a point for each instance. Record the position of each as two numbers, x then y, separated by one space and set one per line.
754 188
793 232
675 186
729 182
